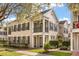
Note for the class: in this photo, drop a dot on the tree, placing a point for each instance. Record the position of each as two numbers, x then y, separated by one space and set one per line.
60 40
73 7
27 9
6 9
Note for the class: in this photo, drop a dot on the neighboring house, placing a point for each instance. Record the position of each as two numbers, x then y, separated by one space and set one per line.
63 29
33 32
75 32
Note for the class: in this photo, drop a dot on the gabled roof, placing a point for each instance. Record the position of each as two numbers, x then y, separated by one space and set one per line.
52 11
62 22
45 11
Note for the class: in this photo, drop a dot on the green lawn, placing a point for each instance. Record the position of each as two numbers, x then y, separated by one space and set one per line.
54 53
7 53
37 50
57 53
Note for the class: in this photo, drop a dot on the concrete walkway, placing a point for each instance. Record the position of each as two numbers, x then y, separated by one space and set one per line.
27 53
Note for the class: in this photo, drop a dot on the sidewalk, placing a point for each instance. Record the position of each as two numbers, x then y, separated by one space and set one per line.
27 53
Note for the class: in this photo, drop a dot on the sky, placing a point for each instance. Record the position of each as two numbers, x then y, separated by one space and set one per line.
61 10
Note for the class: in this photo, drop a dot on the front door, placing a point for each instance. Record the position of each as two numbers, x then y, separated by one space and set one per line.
38 41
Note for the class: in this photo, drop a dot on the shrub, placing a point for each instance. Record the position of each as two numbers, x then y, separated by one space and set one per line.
66 43
54 44
47 46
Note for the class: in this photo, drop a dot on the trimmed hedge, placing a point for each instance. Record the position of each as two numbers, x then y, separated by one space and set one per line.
66 43
54 43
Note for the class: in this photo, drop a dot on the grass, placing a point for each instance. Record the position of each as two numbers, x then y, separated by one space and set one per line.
37 50
57 53
54 53
7 53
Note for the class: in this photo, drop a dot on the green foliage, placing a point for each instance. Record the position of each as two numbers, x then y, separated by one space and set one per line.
66 43
54 44
7 53
37 50
57 53
47 46
60 40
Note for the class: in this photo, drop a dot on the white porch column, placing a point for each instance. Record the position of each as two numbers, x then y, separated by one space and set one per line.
32 37
43 40
77 42
43 32
71 41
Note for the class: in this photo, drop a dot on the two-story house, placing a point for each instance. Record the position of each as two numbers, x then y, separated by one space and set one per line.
32 32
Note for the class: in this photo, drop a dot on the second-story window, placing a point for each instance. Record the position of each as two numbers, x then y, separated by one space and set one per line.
19 27
38 26
51 26
46 26
25 26
55 27
15 27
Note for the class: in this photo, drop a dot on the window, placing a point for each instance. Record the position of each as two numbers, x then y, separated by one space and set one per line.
18 40
51 26
23 39
46 26
55 27
14 40
19 27
5 33
25 26
52 37
15 27
9 31
38 26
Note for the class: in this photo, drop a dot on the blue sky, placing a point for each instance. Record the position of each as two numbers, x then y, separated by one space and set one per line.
61 10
